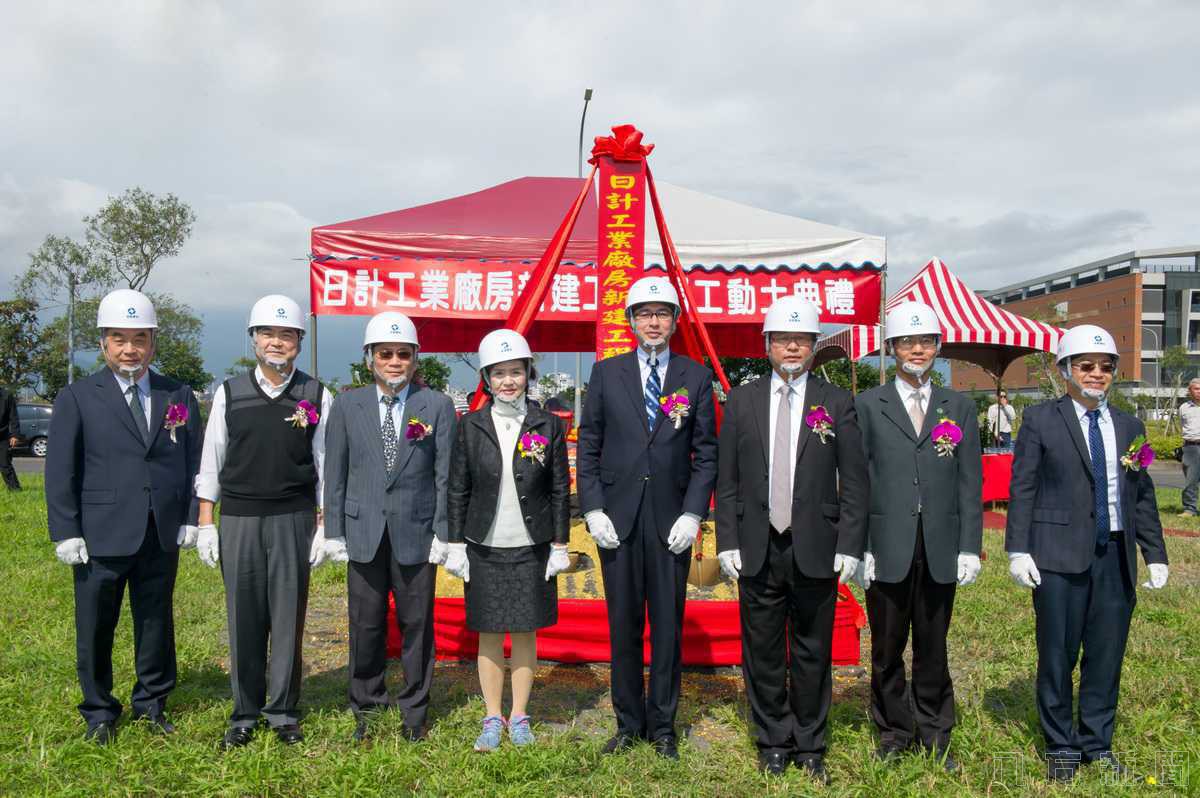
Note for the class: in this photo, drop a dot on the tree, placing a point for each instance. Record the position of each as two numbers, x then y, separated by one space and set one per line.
51 365
1174 363
240 365
433 372
177 342
740 370
63 272
865 375
20 343
360 374
133 232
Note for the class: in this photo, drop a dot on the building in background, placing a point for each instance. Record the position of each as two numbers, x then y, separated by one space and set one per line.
1148 299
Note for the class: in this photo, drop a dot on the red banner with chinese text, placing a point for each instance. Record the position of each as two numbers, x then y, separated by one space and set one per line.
621 249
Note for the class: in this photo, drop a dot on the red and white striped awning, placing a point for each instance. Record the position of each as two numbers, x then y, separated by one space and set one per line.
973 329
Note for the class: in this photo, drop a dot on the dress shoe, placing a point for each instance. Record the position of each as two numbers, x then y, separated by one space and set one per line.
159 720
773 763
414 734
289 734
813 766
360 730
942 754
102 733
666 746
237 737
889 752
1110 763
619 742
1061 767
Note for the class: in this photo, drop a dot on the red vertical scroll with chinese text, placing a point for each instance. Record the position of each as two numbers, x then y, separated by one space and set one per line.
621 249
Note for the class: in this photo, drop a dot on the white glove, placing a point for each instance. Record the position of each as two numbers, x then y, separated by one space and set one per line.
844 566
683 533
207 545
558 562
968 568
601 530
866 571
187 537
731 563
317 555
1158 576
457 562
1023 570
335 550
72 551
438 551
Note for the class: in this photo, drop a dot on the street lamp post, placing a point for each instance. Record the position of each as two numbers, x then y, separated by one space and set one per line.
587 97
1157 367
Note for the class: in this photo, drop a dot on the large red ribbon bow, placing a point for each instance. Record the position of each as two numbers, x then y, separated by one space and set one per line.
625 144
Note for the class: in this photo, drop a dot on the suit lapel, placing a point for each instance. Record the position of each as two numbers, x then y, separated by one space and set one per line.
632 377
110 392
158 407
367 402
1066 408
814 394
414 406
484 421
673 382
1123 431
761 409
894 411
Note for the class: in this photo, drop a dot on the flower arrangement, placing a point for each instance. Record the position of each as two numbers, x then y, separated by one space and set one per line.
533 446
177 416
304 416
417 430
676 405
820 422
1139 455
946 436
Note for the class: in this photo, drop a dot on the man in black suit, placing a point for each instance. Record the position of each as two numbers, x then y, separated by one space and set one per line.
9 427
1081 504
791 522
646 464
924 533
120 501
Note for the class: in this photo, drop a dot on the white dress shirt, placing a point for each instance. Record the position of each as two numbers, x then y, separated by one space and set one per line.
397 408
906 392
216 439
1189 413
1111 458
799 386
644 366
1001 421
143 386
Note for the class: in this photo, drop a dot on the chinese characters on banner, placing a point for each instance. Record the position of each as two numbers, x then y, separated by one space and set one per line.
471 289
621 245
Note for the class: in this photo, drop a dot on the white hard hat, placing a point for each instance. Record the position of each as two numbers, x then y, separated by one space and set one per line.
792 314
911 318
652 289
276 310
1084 339
391 327
501 345
126 309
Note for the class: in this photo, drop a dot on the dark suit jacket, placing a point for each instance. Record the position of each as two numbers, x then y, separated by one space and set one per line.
543 489
907 472
621 467
829 495
101 476
9 426
362 498
1050 509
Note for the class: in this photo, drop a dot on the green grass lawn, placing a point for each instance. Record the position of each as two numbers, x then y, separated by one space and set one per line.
997 741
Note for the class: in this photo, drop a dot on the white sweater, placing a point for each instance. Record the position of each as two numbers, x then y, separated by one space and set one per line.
508 526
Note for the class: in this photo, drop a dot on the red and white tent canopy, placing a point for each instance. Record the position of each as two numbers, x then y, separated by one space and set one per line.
973 329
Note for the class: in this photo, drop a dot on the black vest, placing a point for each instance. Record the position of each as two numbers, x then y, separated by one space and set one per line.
269 468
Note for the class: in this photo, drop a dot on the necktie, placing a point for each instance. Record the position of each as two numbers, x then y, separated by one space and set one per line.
1099 477
915 413
389 433
139 415
781 463
653 392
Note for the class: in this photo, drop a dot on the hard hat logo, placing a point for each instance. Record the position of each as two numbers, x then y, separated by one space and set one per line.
915 319
653 288
794 317
1097 339
281 312
395 328
505 346
131 313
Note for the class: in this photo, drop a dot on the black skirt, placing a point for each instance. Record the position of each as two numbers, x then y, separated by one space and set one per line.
508 591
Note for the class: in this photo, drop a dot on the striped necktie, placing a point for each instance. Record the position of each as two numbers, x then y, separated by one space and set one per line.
653 392
1099 477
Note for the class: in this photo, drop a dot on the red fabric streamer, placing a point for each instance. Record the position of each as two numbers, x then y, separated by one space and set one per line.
625 144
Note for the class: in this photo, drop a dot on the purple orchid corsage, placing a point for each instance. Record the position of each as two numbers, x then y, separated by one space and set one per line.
177 416
305 415
820 422
417 430
946 436
676 406
1139 455
533 446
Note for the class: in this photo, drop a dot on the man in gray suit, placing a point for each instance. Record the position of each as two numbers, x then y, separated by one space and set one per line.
923 537
387 462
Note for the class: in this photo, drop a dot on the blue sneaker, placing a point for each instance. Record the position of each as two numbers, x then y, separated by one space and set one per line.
489 738
518 730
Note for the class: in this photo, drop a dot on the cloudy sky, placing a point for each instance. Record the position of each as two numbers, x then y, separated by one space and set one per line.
1010 139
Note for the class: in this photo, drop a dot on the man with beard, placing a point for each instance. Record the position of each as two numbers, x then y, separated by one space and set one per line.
263 455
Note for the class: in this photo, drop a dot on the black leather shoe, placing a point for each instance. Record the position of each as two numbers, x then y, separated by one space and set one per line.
237 737
360 730
160 721
942 754
619 742
289 734
814 766
666 746
415 734
1061 767
773 764
102 733
1110 763
889 752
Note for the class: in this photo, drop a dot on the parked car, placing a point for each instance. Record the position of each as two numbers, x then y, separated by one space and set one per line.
33 423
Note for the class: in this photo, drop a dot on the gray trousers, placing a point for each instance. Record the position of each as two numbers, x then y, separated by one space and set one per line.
264 561
1191 472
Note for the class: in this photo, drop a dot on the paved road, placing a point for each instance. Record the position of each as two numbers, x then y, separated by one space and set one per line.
29 465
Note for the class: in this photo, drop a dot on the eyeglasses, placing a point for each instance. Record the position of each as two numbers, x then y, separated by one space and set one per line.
909 341
1087 366
784 340
392 354
647 315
